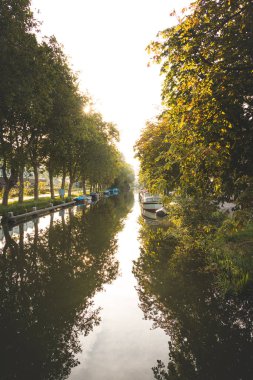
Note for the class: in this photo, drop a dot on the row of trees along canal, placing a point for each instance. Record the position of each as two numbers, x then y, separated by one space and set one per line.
43 122
204 134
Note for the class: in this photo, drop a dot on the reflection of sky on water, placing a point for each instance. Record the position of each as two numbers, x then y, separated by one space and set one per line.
123 346
43 222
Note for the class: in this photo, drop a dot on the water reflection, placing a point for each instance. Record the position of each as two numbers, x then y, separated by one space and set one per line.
210 333
123 345
48 278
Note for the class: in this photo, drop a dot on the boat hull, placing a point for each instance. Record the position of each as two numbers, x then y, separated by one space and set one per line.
148 214
151 207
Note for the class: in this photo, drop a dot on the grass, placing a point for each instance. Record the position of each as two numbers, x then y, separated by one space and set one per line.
244 235
27 205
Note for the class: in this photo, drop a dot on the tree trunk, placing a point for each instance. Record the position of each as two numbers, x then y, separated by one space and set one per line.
84 185
70 187
36 182
51 182
9 183
6 195
63 178
21 186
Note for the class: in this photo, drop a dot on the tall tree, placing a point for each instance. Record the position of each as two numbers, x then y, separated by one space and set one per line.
16 23
207 65
64 120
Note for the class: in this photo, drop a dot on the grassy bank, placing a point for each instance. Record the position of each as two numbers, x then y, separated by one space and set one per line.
27 205
244 236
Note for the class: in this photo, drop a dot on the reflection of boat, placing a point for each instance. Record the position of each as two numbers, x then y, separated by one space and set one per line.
83 199
150 202
112 191
106 193
94 197
148 214
149 217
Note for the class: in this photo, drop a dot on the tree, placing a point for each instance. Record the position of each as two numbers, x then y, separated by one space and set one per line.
42 117
207 95
150 150
125 176
16 40
63 123
24 91
99 156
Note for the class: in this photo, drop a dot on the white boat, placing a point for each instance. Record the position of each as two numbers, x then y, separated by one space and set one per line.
150 202
149 217
148 214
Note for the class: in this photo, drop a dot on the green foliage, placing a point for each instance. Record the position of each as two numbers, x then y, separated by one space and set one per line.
43 188
42 117
57 202
150 150
125 176
68 199
204 135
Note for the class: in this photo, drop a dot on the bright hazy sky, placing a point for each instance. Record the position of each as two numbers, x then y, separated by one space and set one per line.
105 41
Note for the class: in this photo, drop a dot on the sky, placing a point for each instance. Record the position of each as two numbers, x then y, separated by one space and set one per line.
105 41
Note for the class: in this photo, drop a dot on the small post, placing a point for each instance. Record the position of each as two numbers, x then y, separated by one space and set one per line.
34 208
10 214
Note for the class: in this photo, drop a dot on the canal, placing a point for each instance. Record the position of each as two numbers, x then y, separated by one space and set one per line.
100 293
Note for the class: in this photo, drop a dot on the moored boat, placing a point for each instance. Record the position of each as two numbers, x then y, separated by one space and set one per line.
112 191
83 199
150 202
148 214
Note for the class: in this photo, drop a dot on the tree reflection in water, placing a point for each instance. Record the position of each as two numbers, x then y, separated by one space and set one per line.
211 334
47 282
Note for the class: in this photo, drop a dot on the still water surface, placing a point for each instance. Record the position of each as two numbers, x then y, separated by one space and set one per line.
83 297
124 346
